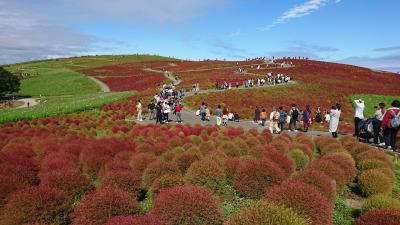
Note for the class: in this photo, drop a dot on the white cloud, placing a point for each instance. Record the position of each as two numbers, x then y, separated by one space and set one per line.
387 62
298 11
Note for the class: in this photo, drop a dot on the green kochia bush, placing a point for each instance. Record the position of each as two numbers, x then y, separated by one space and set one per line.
375 182
186 205
264 213
380 201
299 157
158 169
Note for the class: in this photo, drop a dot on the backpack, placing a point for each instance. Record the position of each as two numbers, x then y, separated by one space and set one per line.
295 114
276 116
395 122
282 117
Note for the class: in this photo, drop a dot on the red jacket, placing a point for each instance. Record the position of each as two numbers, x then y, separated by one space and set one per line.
178 108
389 115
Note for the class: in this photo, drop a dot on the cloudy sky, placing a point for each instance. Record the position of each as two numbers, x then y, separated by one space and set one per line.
351 31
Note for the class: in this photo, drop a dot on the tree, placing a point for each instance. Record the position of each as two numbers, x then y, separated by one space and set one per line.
8 82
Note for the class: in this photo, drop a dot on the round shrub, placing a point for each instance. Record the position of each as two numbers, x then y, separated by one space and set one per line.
358 149
380 201
320 181
24 169
332 170
170 154
231 165
158 169
299 158
374 154
281 159
124 180
40 204
9 184
229 148
305 148
374 182
281 145
187 205
263 213
367 164
253 177
304 199
71 181
140 161
134 220
206 147
331 148
345 164
217 156
303 139
103 204
167 181
380 217
186 159
207 173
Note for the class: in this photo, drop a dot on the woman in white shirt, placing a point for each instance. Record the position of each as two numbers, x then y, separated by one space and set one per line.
334 120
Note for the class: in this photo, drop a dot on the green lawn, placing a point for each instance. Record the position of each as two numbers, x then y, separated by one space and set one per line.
56 105
85 62
373 100
51 79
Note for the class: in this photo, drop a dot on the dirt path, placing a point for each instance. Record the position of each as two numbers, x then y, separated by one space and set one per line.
104 87
32 102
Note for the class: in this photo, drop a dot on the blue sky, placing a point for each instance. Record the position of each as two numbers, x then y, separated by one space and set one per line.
351 31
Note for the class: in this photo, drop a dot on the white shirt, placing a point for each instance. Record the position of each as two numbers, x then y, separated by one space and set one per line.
359 109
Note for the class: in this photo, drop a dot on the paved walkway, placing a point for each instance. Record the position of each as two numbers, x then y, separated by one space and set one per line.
104 87
32 102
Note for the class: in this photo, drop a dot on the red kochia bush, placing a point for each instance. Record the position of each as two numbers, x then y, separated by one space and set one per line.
187 205
380 217
282 160
24 169
123 179
319 180
134 220
304 199
8 184
346 164
254 177
40 204
158 169
332 170
103 204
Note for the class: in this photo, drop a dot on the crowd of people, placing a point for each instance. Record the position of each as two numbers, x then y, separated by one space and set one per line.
222 115
270 79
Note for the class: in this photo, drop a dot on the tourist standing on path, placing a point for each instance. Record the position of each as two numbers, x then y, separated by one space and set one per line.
318 115
225 117
359 115
334 119
307 118
294 116
152 110
208 113
263 117
218 114
391 125
139 110
203 108
159 112
273 121
377 122
282 118
257 113
178 109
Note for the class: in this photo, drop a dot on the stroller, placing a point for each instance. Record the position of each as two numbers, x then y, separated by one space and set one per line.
366 130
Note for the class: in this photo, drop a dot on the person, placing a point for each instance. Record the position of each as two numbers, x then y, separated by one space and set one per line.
391 125
218 114
167 110
159 110
334 119
225 117
318 115
28 104
294 115
178 110
327 117
208 113
282 118
263 117
273 121
307 118
139 110
203 108
359 115
152 110
377 121
230 116
237 117
257 115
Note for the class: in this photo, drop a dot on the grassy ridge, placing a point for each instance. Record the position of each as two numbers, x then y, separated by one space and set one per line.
51 79
373 100
57 105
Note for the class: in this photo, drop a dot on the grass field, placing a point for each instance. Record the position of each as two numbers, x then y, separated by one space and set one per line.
57 105
51 79
373 100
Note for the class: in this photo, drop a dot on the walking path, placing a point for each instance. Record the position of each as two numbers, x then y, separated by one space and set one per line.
104 87
32 102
